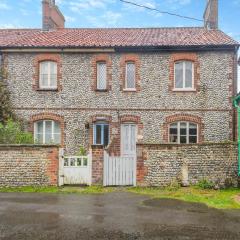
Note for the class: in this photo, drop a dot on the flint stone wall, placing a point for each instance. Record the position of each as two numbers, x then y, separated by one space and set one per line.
28 165
163 164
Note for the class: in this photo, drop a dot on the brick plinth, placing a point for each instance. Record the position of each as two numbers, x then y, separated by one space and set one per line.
97 164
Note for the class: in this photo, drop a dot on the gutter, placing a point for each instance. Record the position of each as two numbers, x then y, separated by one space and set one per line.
110 49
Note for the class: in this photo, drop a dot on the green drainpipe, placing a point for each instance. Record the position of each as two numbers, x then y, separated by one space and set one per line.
236 101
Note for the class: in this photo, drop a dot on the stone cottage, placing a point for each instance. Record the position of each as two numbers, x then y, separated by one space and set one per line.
120 86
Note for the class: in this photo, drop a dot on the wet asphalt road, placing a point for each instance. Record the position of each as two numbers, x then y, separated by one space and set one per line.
111 216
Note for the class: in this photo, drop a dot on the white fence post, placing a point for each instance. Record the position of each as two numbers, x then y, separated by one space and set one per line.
61 162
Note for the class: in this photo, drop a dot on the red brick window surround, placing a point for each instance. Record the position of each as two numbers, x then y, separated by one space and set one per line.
99 118
184 58
52 117
41 58
183 118
130 62
97 61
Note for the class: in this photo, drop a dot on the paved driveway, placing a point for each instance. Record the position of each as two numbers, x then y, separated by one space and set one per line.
111 216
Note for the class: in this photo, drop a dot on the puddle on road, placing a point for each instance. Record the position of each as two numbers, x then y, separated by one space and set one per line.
175 204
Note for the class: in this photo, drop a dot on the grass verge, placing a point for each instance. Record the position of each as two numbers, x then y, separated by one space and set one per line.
221 199
65 189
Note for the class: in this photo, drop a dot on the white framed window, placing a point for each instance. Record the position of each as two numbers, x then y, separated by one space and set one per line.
101 75
48 75
47 132
130 76
183 75
183 132
101 134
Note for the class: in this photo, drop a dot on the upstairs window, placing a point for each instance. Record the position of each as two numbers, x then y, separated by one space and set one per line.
47 132
184 75
101 76
130 76
183 132
48 75
101 134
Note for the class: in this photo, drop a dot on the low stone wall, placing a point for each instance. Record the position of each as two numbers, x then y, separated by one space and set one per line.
159 165
24 165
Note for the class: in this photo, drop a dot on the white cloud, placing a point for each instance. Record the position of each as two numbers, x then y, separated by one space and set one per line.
80 5
4 6
70 19
108 19
179 2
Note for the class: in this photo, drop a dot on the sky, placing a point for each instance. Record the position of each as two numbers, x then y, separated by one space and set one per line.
114 13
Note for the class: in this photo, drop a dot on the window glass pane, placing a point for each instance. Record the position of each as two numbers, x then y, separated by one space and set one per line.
98 134
173 131
173 138
192 129
183 129
57 138
57 127
39 132
193 139
79 162
130 75
183 139
65 162
48 132
85 162
72 162
106 135
188 74
39 138
179 75
43 74
101 75
53 74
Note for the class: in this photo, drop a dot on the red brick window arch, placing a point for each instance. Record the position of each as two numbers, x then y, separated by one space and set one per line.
130 73
184 76
47 75
183 129
48 128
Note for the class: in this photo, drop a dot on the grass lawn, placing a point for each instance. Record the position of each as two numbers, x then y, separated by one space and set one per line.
222 199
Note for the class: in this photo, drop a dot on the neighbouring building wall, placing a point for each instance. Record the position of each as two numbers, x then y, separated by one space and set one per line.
76 102
28 165
159 165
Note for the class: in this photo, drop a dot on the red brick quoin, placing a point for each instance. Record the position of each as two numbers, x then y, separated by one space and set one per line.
183 117
130 58
53 166
49 116
101 58
181 57
47 57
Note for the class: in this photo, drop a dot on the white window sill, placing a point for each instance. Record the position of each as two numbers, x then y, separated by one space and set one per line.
129 89
184 90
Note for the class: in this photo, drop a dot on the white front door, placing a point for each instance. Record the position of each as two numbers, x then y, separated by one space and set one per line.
128 139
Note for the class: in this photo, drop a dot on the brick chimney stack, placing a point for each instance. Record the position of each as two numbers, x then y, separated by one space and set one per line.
52 16
211 15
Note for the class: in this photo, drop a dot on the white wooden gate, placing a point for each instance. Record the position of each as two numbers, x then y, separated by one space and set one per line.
119 171
76 170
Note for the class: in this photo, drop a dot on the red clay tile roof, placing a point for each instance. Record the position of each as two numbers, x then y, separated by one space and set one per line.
114 37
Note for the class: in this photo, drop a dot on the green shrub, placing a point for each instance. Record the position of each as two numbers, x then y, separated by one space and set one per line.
205 184
82 151
12 133
174 185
